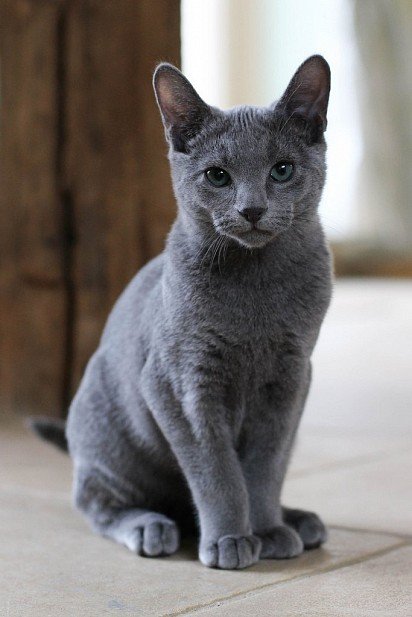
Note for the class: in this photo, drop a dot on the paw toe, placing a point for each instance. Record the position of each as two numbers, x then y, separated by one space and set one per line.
170 538
152 539
228 557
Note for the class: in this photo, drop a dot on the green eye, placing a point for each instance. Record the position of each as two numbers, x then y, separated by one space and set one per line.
282 171
217 176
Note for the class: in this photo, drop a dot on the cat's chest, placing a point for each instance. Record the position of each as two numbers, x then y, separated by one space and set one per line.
259 318
246 338
239 330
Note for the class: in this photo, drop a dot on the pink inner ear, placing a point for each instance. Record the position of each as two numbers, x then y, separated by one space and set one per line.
168 98
177 98
308 91
164 93
316 77
182 109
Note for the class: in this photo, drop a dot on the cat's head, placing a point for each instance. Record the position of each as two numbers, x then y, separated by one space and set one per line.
249 172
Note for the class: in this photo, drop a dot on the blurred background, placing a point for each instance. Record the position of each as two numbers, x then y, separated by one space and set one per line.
85 195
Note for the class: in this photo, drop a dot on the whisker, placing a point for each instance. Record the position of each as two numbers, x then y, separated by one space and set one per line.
203 245
311 220
216 243
211 245
221 252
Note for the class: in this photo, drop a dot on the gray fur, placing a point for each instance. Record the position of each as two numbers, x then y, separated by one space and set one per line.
189 407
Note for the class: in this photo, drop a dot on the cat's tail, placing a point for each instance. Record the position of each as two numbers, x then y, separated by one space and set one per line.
51 430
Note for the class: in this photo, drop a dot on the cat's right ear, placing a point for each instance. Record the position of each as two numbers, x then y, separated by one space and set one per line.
183 111
307 95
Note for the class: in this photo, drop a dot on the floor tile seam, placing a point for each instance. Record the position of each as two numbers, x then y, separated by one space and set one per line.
407 538
346 463
345 432
255 591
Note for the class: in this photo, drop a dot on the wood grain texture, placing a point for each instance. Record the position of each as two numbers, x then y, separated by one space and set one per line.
32 297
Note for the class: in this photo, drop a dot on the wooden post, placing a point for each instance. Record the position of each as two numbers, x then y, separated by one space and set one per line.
85 190
32 294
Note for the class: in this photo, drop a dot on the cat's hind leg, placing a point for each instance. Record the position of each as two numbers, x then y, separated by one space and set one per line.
308 525
113 514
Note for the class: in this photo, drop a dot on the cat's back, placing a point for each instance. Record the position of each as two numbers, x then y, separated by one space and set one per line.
135 308
108 384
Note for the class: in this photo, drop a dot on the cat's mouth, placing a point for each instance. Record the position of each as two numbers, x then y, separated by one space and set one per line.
259 230
254 237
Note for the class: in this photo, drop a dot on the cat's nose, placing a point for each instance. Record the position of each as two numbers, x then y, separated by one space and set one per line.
252 214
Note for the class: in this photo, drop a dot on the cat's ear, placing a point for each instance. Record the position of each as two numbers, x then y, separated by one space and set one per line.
307 95
183 111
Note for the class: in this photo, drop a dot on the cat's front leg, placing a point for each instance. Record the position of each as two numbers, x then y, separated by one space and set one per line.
203 446
266 445
264 461
214 474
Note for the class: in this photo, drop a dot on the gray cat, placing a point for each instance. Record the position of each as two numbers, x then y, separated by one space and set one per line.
189 407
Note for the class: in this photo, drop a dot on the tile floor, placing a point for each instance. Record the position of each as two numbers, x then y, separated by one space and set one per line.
352 464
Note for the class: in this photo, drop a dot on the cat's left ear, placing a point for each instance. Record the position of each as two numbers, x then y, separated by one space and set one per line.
183 111
307 95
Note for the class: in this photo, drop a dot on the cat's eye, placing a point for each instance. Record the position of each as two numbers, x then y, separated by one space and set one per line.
217 176
282 171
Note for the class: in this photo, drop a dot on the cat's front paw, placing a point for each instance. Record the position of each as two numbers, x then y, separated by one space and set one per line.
281 542
308 525
230 552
